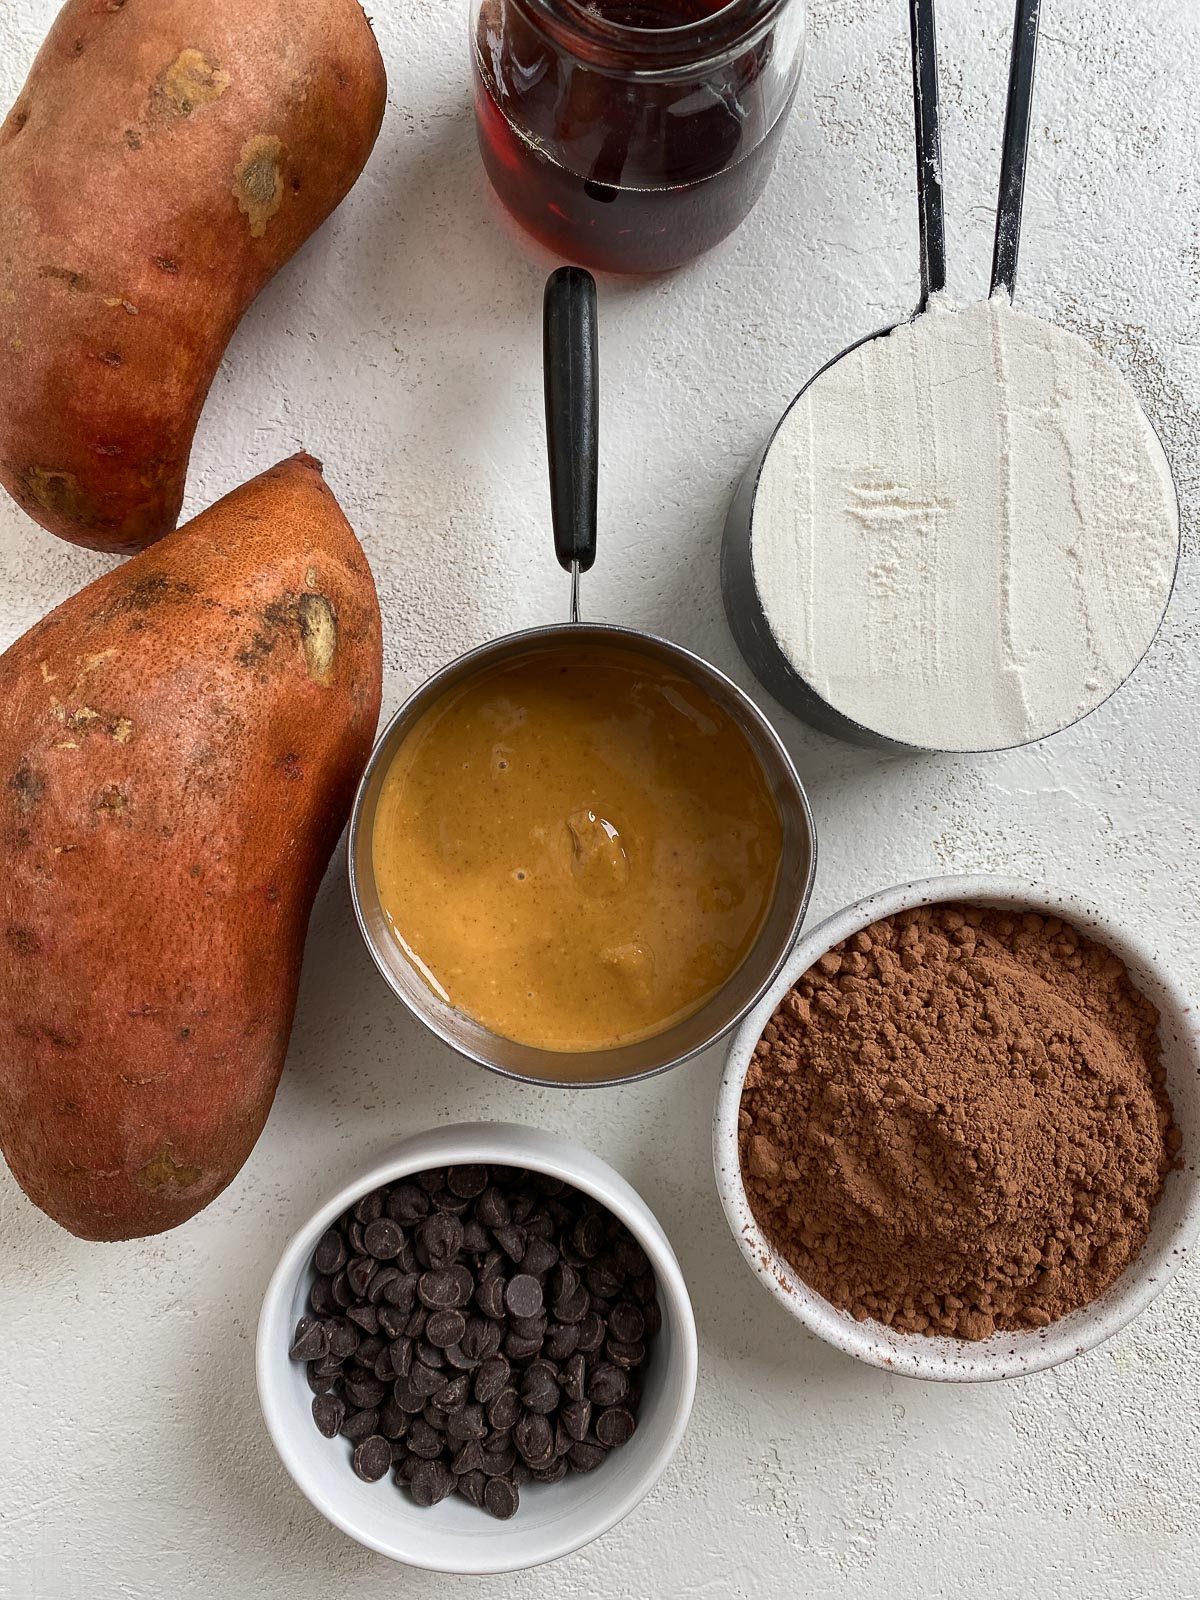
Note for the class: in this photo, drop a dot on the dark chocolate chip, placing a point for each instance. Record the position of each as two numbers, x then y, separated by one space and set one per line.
615 1426
372 1459
369 1207
534 1438
523 1295
501 1497
518 1348
393 1419
472 1486
539 1388
407 1398
588 1234
467 1181
423 1440
311 1340
489 1296
360 1425
441 1237
561 1339
445 1288
585 1457
504 1410
453 1395
493 1375
364 1392
630 1256
430 1482
383 1239
468 1458
424 1379
511 1240
407 1203
401 1291
492 1207
364 1317
607 1385
359 1273
625 1355
626 1322
391 1321
554 1473
343 1337
445 1328
458 1358
320 1297
574 1377
591 1333
499 1463
476 1237
331 1254
328 1412
540 1255
482 1338
468 1423
576 1418
368 1350
604 1279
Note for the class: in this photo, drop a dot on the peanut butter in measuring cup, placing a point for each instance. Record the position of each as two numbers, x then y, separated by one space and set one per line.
577 848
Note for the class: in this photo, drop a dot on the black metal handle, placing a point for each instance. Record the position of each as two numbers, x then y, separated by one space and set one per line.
1016 146
929 148
572 371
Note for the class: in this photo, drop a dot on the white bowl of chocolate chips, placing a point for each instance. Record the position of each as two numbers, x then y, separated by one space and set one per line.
958 1138
479 1355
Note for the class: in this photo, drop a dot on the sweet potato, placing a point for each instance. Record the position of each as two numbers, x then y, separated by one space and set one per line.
163 160
179 747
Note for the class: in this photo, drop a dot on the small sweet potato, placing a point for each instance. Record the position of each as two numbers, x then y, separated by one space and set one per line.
179 748
163 160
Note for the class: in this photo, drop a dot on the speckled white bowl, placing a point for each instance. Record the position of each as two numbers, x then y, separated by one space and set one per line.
1176 1219
553 1519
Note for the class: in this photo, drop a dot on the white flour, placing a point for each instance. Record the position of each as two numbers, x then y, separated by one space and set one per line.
965 532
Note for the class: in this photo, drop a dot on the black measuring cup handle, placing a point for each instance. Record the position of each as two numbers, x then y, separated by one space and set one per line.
572 372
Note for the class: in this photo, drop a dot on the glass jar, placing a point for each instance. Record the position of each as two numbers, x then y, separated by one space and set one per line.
632 135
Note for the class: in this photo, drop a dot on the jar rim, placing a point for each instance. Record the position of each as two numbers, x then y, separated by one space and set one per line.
580 28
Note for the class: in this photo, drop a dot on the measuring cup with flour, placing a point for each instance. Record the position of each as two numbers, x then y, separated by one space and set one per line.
963 534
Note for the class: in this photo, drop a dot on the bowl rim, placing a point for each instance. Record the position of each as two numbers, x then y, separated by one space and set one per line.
459 1143
546 636
919 1355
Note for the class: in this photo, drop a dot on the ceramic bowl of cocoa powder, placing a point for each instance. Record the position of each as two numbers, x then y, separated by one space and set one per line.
959 1137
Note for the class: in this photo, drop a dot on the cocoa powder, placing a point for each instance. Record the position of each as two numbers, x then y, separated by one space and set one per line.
956 1122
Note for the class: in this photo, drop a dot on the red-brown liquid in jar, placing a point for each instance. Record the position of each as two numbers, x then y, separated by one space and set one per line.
619 176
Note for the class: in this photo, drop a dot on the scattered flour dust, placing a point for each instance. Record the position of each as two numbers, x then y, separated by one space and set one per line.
965 531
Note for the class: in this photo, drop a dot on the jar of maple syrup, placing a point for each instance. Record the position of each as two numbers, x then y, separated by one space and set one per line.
633 135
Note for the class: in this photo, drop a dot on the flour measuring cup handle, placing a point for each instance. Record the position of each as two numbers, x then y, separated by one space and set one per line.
571 365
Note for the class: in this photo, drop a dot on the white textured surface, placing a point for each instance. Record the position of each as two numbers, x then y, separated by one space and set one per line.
403 346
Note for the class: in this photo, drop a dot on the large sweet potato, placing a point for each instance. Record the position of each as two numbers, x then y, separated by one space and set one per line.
163 160
179 747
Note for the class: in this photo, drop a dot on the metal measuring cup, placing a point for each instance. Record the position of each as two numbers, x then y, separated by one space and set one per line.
572 396
744 607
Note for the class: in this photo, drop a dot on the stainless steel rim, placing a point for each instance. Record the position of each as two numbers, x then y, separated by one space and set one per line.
428 692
